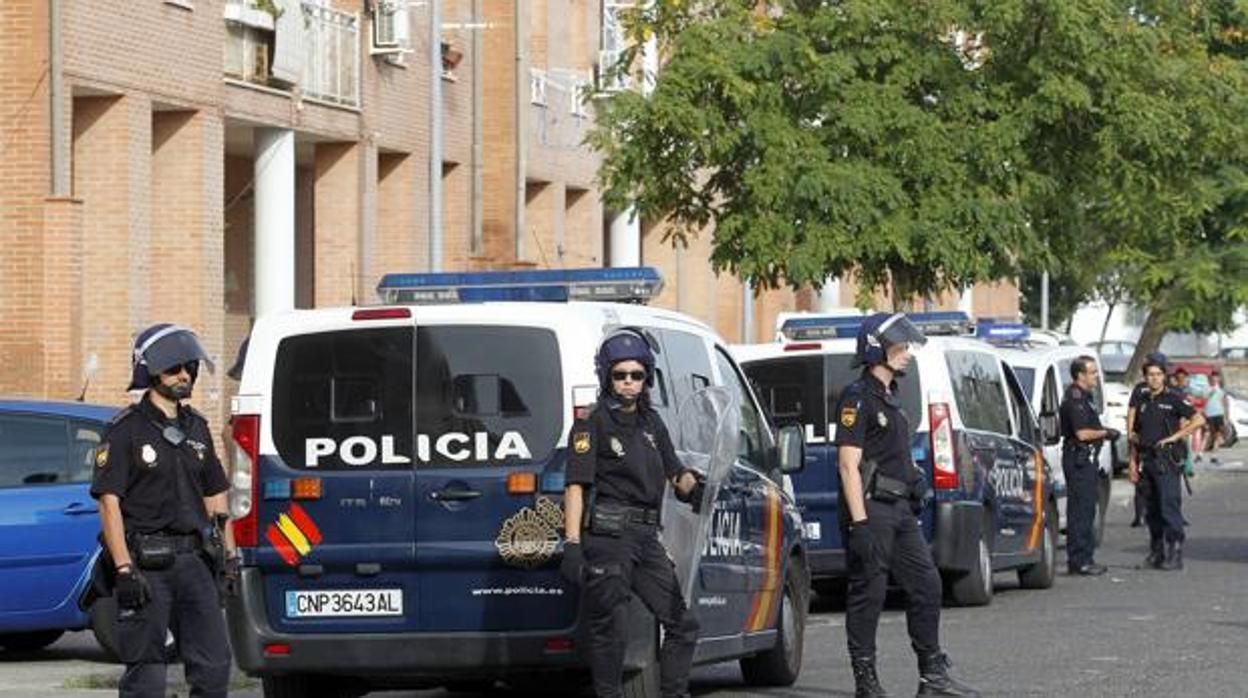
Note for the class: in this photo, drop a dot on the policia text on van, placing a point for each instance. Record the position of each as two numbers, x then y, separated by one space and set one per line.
371 560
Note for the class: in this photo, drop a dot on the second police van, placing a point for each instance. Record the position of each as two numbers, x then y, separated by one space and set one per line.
976 439
398 474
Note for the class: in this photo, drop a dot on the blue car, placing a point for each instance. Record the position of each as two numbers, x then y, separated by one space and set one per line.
48 520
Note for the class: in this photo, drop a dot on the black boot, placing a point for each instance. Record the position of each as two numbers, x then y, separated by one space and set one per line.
934 678
1155 556
1174 556
866 683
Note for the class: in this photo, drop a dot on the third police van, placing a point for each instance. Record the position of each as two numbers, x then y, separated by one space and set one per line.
398 474
975 438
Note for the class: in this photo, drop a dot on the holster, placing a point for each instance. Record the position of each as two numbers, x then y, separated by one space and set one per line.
886 489
152 552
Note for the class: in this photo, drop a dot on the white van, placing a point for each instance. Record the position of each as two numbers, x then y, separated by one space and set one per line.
397 491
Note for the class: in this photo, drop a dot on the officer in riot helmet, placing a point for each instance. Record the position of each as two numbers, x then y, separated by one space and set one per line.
162 495
1159 431
1082 437
620 461
881 494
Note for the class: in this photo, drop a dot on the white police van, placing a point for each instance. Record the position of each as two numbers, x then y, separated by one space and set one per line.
1043 370
975 437
398 474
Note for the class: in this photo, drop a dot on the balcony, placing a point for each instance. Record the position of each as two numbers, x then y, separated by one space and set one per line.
316 53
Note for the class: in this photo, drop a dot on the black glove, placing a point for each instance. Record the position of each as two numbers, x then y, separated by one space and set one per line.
1111 435
132 590
231 574
698 493
862 543
573 561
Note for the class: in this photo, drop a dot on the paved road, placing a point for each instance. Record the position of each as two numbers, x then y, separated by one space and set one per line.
1130 633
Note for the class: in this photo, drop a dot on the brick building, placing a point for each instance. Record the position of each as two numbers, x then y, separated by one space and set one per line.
207 160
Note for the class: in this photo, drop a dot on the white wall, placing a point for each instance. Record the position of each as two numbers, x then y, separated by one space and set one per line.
1127 322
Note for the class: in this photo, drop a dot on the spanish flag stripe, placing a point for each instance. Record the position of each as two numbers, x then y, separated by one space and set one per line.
305 523
279 543
1037 521
764 600
293 533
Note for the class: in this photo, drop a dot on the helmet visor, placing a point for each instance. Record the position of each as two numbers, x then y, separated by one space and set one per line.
899 330
174 349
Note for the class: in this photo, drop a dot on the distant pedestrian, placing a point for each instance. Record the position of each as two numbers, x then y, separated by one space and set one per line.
1215 411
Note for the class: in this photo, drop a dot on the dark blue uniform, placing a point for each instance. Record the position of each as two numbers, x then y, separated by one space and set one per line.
870 418
624 460
1077 412
1157 417
162 489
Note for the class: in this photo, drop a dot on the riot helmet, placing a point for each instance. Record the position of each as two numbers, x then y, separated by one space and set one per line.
624 344
163 347
880 331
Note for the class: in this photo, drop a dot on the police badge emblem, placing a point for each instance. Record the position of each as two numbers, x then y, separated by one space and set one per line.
149 455
617 448
650 439
529 538
879 417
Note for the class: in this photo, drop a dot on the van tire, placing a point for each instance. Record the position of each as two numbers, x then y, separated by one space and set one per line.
104 625
974 587
782 664
306 686
1102 506
1042 574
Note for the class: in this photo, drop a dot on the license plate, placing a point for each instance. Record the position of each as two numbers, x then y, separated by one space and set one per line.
343 603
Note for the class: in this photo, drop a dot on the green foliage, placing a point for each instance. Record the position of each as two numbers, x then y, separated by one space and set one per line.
1099 138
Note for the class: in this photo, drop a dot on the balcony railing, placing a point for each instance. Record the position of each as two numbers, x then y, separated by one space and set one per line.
317 51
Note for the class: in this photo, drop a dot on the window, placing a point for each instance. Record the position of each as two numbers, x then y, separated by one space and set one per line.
84 437
33 451
1052 397
978 390
752 447
1028 430
392 26
1026 378
338 385
688 361
792 390
498 406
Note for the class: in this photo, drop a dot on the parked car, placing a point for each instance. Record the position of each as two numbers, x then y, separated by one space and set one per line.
398 478
48 520
1115 355
976 439
1234 353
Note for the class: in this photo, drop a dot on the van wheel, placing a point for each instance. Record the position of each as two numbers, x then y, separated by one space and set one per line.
974 588
29 642
303 685
104 625
781 665
1102 505
1042 574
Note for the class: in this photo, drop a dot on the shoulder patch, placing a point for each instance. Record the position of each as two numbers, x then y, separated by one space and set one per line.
580 442
849 416
101 455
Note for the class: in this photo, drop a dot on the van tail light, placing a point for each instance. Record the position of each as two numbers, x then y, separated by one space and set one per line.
944 463
244 458
583 397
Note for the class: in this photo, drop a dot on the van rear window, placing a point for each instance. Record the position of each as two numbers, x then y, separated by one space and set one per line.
398 398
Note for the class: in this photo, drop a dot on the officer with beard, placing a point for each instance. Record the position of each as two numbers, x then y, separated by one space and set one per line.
160 486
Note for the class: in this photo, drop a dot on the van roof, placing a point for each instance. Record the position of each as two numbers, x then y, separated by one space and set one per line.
1038 355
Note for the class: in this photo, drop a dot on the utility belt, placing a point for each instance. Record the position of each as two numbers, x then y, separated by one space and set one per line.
887 490
608 518
157 551
1171 455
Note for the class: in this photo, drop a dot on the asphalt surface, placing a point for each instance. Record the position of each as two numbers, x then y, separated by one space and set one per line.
1129 633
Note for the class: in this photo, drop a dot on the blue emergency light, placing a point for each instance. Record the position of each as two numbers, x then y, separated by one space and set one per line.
817 327
1002 332
618 284
942 323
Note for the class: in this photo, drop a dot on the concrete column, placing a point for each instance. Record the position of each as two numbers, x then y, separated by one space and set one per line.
966 300
274 261
625 240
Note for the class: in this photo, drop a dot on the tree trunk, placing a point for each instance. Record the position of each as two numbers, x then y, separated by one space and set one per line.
1150 339
1108 314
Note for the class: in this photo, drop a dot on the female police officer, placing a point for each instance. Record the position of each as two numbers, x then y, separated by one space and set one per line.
881 491
159 483
622 456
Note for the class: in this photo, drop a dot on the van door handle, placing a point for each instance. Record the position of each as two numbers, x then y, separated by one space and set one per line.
449 495
79 508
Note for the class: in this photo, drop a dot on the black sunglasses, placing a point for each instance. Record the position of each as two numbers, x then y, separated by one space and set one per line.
623 375
191 367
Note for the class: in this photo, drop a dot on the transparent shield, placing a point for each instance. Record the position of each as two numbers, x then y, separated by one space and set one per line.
706 436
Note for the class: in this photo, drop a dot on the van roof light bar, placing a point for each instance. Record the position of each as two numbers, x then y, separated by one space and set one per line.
819 327
618 284
1002 332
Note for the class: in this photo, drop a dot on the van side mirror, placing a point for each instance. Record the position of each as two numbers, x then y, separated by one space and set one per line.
1049 427
791 447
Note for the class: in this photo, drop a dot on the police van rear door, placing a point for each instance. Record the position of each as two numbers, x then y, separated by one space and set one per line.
490 409
335 504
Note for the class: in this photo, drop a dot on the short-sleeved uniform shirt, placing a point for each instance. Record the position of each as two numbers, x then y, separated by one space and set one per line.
1077 412
870 417
161 486
627 457
1158 416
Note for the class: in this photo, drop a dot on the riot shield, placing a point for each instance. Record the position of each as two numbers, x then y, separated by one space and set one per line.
705 435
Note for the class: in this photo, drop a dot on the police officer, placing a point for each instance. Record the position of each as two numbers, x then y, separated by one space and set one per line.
881 493
1137 396
621 459
159 484
1160 429
1082 434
